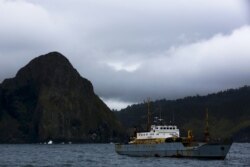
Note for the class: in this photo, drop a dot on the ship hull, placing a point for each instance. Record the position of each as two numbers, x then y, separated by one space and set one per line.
175 149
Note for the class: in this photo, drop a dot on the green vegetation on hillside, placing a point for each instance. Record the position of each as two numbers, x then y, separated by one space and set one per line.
229 114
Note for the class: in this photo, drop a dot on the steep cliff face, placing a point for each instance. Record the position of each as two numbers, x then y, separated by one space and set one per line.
48 99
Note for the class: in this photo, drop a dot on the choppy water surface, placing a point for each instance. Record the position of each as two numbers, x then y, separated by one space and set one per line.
104 155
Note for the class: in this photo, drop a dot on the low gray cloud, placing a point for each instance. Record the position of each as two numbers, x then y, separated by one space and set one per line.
133 49
218 63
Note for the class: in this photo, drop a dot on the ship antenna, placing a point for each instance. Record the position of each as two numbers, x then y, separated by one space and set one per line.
173 117
206 133
149 114
160 119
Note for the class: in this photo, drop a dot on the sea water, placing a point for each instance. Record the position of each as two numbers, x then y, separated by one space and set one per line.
67 155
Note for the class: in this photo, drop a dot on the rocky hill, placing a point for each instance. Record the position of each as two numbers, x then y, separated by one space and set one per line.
229 114
49 100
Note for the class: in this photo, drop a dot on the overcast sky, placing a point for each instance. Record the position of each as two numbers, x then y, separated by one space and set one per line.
133 49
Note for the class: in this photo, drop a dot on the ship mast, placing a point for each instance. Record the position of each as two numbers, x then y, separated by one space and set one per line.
149 114
160 119
206 132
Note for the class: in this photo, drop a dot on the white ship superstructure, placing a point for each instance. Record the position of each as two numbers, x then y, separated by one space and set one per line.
160 132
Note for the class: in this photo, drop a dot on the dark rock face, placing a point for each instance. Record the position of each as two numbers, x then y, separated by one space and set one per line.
48 99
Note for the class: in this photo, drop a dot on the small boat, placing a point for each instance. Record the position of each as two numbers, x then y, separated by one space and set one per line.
165 141
50 142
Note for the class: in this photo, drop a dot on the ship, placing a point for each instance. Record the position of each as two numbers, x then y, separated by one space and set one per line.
165 141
